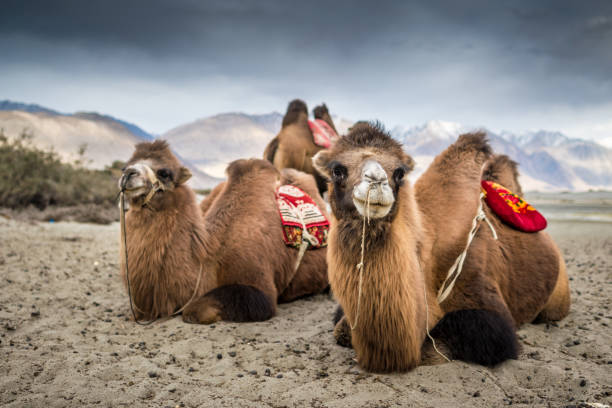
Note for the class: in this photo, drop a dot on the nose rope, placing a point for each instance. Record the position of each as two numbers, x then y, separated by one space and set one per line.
366 216
157 186
455 270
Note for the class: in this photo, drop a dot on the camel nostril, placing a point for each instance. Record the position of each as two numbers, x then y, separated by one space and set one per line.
129 173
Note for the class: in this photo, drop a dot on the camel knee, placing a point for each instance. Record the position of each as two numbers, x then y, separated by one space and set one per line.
477 336
558 304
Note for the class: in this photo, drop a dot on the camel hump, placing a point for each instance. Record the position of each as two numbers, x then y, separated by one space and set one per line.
296 108
320 111
474 142
503 170
238 168
300 179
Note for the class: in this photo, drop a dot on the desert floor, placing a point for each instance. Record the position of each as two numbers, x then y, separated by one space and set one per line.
66 340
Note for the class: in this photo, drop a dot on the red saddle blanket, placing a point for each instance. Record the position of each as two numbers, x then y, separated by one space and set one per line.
322 133
512 209
298 211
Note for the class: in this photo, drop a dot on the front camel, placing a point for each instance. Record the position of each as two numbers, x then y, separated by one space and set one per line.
411 236
222 260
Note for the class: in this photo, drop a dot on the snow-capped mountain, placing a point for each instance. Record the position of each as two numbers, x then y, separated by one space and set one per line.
547 160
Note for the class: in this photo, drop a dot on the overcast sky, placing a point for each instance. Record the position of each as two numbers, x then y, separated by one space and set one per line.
516 66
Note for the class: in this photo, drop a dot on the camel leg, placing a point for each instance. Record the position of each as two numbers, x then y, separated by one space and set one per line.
237 303
342 330
559 301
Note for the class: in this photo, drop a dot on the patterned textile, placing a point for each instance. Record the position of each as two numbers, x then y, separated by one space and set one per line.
322 133
297 210
512 209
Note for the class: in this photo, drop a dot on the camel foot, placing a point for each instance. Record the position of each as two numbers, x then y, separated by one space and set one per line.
202 311
342 333
236 303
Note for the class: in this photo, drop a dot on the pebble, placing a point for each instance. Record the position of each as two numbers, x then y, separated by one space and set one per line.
219 356
232 354
152 374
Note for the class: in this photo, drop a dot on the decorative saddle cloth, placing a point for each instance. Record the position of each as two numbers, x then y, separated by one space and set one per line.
322 133
299 212
512 209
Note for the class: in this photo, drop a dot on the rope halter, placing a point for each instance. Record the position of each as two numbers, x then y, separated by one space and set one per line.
455 270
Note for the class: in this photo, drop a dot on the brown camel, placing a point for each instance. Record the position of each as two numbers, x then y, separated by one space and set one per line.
173 243
294 145
411 240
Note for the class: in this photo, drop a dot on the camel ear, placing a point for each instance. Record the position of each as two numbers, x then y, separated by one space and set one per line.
320 161
183 176
408 162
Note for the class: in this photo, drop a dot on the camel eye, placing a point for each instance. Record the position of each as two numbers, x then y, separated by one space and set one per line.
338 171
398 175
164 173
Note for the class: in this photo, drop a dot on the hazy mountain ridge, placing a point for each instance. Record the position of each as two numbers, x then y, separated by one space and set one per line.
7 105
105 138
548 160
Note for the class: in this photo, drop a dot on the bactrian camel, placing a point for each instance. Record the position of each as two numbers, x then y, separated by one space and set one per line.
294 146
413 236
230 246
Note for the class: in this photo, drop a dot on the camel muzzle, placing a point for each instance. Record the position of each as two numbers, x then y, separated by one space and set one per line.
373 196
140 180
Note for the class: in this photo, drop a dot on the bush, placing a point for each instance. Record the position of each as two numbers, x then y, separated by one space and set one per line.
31 176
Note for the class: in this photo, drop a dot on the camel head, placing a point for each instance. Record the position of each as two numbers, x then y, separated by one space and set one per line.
365 161
151 167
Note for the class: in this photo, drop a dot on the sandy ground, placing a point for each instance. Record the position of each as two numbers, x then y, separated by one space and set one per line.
65 340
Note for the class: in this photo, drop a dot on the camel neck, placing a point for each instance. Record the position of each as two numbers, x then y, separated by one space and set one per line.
391 320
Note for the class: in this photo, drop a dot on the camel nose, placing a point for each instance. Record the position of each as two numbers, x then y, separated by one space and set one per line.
125 177
129 172
373 173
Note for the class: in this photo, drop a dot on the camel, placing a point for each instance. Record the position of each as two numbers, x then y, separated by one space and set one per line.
208 259
411 237
294 145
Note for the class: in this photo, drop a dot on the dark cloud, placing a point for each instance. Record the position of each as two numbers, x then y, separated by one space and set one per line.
401 61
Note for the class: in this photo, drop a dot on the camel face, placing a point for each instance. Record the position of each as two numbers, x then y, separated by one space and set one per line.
152 166
360 164
373 196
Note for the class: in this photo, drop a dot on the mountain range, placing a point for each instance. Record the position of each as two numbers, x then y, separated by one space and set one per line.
549 161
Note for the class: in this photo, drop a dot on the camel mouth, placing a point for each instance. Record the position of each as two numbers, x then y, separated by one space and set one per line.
374 209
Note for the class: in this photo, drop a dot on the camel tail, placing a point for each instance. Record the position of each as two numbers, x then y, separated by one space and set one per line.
477 336
503 170
270 150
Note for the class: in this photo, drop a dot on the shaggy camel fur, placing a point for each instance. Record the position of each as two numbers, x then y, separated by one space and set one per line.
294 145
172 240
411 240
